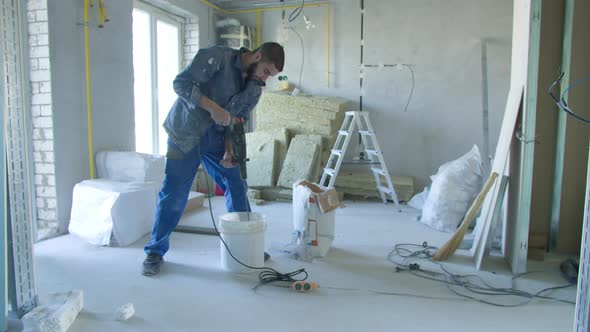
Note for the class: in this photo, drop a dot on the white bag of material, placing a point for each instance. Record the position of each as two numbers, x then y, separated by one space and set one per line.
417 202
453 190
313 230
130 166
112 213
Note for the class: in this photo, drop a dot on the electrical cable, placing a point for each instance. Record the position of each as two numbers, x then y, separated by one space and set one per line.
561 103
302 55
267 274
461 285
295 13
412 90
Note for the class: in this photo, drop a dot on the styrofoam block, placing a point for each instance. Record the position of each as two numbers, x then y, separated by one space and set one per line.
195 201
130 166
125 312
108 212
55 316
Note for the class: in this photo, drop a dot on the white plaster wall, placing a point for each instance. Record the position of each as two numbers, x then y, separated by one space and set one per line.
111 84
440 39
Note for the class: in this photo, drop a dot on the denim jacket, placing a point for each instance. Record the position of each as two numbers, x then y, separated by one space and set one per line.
215 72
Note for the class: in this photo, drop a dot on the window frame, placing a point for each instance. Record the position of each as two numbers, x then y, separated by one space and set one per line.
158 14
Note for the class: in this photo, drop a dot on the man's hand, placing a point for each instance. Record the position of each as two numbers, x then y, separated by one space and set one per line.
228 160
220 116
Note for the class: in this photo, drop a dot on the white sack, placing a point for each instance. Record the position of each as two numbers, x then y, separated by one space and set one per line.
453 190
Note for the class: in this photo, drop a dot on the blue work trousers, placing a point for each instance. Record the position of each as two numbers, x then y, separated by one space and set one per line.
181 169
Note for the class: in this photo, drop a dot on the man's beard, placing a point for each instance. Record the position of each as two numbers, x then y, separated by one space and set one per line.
250 71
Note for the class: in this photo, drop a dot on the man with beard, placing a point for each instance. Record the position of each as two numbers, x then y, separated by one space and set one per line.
220 85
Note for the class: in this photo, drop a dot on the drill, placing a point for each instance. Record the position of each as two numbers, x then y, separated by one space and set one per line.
238 139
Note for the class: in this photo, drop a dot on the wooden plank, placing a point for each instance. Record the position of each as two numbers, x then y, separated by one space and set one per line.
513 106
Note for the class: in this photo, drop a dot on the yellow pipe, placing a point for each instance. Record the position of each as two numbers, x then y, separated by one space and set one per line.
307 5
328 43
258 26
209 4
88 97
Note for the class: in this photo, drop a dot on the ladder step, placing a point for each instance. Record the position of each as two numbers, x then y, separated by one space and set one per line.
373 152
329 171
337 152
343 132
378 170
385 190
366 132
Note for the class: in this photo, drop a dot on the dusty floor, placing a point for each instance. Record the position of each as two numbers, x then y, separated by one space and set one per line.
193 293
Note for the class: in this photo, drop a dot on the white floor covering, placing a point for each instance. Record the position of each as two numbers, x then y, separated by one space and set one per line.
193 293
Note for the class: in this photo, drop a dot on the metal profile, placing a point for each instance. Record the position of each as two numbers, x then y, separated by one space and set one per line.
581 321
12 42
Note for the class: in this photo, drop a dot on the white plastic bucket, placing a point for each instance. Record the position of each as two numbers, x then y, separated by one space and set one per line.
243 232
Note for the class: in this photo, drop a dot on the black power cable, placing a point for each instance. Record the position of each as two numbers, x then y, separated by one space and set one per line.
560 100
295 13
411 253
267 275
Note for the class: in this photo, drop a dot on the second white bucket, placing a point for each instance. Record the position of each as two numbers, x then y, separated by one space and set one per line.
243 232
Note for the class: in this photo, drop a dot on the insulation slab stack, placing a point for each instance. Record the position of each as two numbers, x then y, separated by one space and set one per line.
266 150
303 160
311 120
302 114
362 184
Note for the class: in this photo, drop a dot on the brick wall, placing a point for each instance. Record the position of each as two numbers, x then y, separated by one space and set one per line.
191 40
42 118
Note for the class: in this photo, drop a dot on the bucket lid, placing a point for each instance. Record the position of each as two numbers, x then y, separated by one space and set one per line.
241 223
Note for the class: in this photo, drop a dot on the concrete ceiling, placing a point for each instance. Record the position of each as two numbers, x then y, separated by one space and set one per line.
232 4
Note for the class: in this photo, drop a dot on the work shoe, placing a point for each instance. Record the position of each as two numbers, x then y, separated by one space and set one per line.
151 264
266 256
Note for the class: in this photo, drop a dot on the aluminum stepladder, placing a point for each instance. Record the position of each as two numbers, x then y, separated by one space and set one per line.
361 121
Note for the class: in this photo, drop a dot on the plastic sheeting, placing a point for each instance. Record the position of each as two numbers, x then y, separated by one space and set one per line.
313 230
107 212
453 190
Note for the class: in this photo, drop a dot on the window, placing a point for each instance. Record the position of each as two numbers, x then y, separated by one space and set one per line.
156 61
